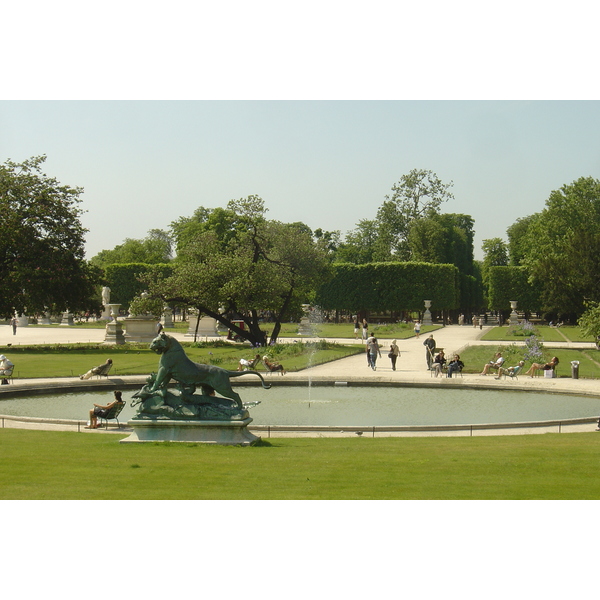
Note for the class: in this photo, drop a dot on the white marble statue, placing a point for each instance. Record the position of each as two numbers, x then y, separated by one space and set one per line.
105 295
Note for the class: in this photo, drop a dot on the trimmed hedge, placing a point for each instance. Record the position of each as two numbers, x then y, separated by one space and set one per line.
390 286
512 283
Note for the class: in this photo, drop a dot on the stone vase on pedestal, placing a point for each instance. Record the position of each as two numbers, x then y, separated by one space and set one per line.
427 315
514 317
114 329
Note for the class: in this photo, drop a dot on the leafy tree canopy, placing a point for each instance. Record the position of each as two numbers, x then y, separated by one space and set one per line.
233 263
417 195
562 247
155 248
42 264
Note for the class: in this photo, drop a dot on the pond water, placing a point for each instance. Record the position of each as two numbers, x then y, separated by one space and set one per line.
350 406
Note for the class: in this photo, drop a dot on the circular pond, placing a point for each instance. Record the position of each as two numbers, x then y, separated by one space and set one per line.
350 406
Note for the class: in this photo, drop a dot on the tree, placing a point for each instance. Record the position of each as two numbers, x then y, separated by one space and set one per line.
517 236
589 322
359 246
155 248
417 195
42 266
562 247
236 264
445 238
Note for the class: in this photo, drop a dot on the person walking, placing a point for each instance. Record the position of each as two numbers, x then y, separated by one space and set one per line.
365 329
373 350
356 327
429 344
14 325
417 329
394 353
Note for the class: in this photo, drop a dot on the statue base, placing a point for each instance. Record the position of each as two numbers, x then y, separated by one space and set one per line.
223 433
114 333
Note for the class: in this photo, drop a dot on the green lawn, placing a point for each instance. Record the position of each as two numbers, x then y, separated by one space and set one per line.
475 357
548 334
50 465
133 359
398 331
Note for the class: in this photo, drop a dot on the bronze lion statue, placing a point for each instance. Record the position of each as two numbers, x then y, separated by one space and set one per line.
174 364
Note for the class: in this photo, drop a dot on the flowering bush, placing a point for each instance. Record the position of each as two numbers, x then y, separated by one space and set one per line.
534 349
523 329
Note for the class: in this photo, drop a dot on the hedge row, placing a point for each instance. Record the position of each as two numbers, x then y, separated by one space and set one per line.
511 283
390 286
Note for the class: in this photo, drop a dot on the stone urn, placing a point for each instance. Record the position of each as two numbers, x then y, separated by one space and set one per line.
427 314
514 317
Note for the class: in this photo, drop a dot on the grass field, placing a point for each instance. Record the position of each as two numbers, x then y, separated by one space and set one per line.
475 357
548 334
133 359
49 465
399 331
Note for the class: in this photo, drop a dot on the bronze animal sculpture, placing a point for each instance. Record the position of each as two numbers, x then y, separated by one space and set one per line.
174 364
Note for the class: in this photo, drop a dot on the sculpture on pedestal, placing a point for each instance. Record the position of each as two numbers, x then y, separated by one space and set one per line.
155 400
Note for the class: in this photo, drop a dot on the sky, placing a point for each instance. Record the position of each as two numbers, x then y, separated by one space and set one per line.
145 163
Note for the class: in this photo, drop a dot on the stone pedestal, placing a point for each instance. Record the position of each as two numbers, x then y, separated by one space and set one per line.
45 320
167 319
22 320
225 433
206 328
114 333
67 319
105 316
140 329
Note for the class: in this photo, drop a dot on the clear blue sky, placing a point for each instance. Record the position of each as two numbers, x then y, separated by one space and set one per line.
144 164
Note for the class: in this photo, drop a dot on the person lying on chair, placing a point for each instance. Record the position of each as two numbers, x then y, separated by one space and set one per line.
246 365
496 363
273 367
510 371
100 370
549 366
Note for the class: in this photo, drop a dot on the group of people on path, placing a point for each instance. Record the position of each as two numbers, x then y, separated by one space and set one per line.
374 351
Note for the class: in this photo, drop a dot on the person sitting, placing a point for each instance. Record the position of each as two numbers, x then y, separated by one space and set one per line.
438 363
549 366
246 365
6 369
495 363
100 370
455 365
511 371
102 411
